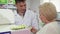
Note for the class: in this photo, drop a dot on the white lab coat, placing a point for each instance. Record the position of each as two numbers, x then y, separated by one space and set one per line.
29 19
51 28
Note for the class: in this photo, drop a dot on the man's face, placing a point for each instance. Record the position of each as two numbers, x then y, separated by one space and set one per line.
21 6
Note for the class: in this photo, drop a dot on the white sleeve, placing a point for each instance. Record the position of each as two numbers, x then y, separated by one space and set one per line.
35 22
48 30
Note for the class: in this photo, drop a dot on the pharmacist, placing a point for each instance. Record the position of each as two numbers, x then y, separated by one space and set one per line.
24 16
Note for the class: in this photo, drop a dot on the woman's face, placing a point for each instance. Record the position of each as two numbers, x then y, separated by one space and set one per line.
43 18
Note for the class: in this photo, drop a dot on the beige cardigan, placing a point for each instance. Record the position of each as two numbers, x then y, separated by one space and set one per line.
51 28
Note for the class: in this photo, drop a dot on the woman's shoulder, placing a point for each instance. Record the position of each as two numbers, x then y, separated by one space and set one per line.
51 24
49 29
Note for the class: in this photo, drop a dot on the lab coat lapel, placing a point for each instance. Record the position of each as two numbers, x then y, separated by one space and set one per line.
27 18
18 19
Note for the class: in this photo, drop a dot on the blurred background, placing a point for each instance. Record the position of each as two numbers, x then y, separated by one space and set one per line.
31 4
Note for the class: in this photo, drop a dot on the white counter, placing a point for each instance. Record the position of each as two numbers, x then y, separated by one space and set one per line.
6 28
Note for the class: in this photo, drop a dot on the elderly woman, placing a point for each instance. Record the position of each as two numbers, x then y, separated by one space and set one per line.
48 16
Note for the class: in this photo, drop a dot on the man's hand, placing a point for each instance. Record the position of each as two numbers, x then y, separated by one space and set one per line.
33 30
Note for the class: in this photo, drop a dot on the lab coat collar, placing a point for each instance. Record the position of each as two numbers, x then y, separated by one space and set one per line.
16 14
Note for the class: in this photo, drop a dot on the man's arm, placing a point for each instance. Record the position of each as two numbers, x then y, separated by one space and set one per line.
35 24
